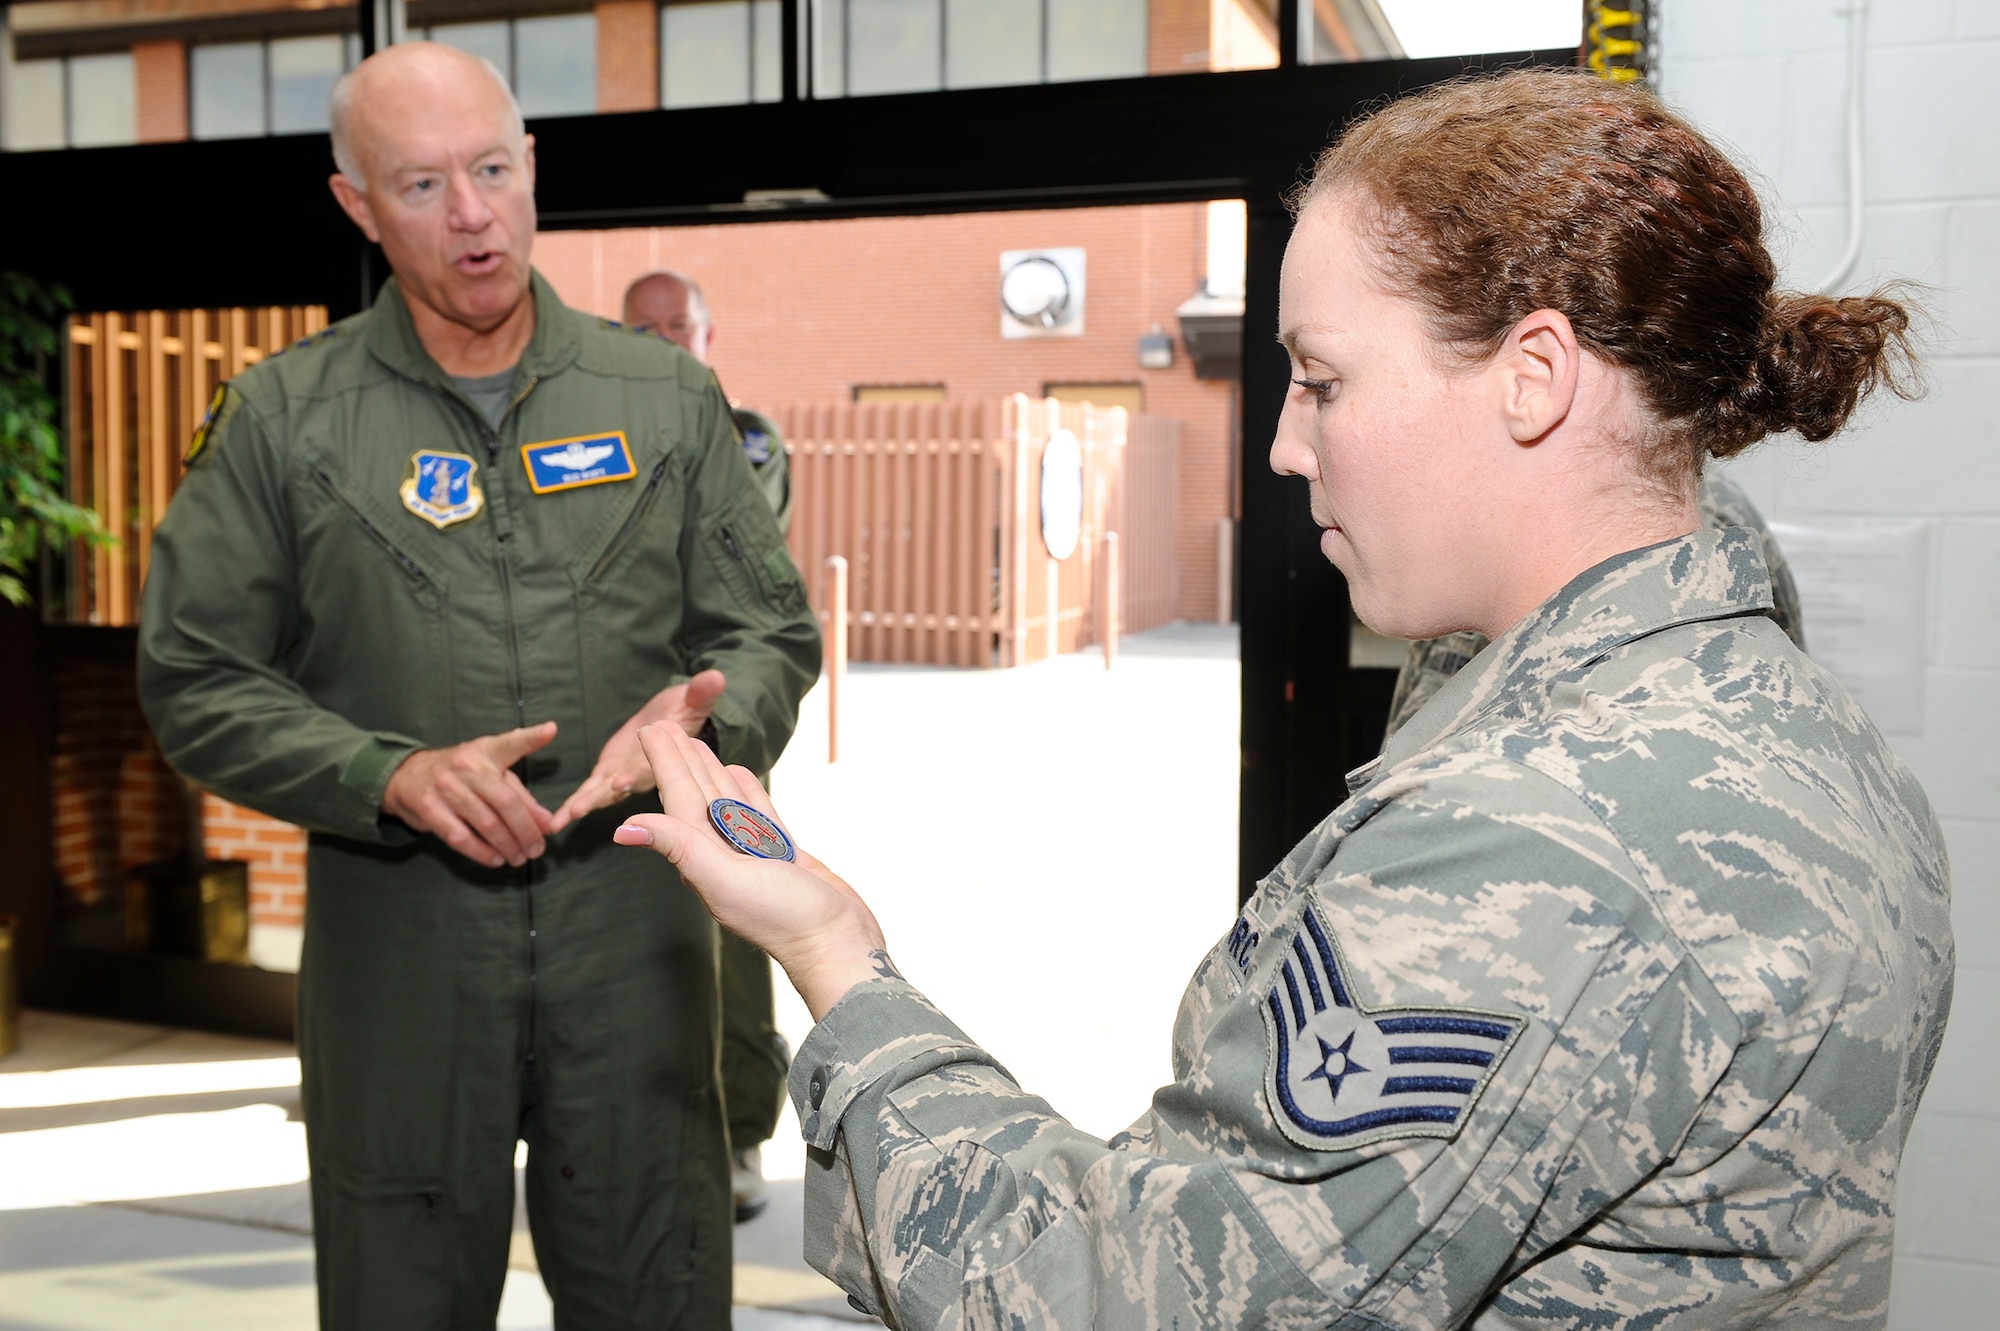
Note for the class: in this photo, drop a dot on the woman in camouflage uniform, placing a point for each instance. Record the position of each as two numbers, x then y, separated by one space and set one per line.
1607 997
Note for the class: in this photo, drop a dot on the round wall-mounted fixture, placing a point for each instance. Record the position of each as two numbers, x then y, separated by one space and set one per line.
1035 291
1041 293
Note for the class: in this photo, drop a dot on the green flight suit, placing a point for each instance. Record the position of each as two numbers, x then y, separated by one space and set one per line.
755 1056
322 603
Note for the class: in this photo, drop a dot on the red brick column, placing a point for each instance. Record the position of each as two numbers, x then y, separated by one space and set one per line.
628 55
1177 33
275 852
160 70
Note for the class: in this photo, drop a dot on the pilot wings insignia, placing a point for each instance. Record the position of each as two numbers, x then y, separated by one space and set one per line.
577 457
1341 1076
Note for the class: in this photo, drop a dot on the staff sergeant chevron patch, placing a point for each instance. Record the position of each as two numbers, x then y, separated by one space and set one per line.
1341 1076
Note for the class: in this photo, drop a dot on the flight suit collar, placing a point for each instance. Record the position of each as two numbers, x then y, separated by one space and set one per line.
391 336
1714 573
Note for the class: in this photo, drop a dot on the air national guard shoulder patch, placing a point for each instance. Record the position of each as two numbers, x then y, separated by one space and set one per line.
1341 1076
591 459
441 488
210 419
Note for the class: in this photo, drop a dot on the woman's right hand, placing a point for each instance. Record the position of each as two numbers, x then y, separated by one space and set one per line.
802 913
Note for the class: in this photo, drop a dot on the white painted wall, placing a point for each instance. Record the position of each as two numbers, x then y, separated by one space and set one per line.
1768 78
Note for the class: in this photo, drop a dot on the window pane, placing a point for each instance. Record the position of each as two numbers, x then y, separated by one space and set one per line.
34 108
767 46
991 42
302 73
488 41
829 48
892 46
555 64
705 54
1096 39
226 90
103 100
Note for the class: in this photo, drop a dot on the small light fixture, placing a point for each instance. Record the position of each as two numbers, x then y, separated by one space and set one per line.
1156 350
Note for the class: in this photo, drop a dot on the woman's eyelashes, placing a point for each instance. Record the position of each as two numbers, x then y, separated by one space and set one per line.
1321 389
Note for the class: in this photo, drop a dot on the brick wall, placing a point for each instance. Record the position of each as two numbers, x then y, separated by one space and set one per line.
117 804
804 311
275 852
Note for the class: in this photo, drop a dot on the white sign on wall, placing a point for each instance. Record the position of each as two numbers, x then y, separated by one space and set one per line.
1864 592
1062 494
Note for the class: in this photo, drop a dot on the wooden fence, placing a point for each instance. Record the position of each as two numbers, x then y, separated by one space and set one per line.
936 508
138 385
1147 511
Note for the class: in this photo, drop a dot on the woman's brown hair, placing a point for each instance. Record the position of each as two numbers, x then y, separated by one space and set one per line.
1492 198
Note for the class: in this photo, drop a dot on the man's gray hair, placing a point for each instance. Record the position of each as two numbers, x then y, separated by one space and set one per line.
340 117
697 298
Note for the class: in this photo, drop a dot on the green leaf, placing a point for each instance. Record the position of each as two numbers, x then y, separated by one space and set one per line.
35 513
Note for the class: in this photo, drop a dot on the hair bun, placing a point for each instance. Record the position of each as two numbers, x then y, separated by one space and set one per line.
1818 356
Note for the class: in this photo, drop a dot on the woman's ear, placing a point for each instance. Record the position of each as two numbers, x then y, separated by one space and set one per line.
1539 364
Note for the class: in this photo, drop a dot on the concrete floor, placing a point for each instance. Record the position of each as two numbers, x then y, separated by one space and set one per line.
1011 829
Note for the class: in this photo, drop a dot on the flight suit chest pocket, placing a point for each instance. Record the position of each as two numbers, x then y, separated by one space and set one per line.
633 531
354 547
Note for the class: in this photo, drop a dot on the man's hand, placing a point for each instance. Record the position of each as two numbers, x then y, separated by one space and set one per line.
466 797
622 767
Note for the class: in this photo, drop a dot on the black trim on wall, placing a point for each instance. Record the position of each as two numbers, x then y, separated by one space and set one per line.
251 221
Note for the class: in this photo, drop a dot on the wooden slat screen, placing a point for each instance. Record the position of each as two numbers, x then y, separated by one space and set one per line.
138 384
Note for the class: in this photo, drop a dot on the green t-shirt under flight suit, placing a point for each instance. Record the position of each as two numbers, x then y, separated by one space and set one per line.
360 564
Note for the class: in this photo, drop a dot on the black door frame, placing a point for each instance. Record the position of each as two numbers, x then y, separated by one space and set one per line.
251 222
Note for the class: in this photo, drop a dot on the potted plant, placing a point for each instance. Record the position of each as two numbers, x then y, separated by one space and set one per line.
34 514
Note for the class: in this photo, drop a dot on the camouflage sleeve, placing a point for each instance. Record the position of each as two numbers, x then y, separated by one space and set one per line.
941 1194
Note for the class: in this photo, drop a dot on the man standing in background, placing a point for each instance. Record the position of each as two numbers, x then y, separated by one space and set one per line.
754 1055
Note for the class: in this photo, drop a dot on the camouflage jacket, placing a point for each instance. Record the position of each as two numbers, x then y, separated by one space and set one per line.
1432 661
1605 1000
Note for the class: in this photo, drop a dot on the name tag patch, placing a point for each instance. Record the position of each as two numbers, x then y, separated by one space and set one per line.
591 459
441 488
1341 1076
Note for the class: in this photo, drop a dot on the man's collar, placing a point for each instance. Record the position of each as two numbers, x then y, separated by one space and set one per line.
1714 573
392 336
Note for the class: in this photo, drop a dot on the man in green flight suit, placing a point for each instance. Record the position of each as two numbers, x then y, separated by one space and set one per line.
754 1055
426 578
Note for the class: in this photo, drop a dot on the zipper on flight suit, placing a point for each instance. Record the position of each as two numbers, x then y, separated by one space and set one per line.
520 710
632 519
500 539
409 565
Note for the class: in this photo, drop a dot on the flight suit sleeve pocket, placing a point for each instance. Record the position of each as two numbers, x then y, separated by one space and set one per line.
747 555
